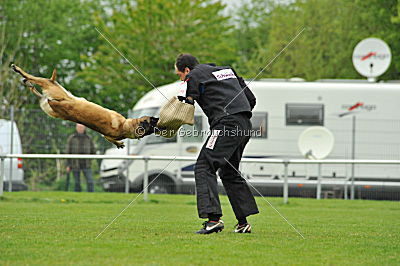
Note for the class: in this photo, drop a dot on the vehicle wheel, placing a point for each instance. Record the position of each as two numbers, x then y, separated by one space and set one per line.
113 184
162 185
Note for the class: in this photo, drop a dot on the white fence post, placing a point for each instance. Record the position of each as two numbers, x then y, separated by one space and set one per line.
127 170
353 156
352 182
146 180
346 197
1 175
319 181
11 147
286 185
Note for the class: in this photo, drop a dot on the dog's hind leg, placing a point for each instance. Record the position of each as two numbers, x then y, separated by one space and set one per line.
22 73
117 143
29 77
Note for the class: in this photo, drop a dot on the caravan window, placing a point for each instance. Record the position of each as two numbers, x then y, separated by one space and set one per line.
193 133
259 123
304 114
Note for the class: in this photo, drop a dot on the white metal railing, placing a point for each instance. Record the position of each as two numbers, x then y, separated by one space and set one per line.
146 159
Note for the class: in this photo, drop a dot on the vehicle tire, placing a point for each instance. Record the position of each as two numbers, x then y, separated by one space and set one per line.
162 185
113 184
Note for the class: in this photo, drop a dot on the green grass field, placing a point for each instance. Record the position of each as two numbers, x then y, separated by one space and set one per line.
60 228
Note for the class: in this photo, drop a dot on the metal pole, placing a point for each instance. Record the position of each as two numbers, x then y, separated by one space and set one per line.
127 170
1 175
353 153
285 184
319 182
346 197
179 171
128 143
11 147
146 180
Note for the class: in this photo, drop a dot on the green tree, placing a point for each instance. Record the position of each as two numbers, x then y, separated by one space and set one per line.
43 35
40 35
252 28
11 91
395 39
150 34
396 18
332 30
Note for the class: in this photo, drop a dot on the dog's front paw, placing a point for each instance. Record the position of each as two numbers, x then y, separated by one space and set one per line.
119 144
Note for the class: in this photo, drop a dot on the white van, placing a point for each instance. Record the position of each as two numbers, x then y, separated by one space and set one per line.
284 109
17 172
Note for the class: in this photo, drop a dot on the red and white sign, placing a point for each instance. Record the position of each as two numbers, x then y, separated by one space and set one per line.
371 57
213 139
182 89
224 74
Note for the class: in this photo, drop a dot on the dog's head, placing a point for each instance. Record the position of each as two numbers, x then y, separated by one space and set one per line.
29 79
148 125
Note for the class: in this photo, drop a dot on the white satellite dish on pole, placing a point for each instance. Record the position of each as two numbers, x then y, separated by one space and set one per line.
316 142
371 58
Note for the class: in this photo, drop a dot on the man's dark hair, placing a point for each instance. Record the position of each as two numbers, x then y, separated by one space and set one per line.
186 60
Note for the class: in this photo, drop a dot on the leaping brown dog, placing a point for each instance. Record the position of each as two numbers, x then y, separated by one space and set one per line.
59 103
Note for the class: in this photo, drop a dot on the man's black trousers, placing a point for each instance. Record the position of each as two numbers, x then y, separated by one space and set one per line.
226 143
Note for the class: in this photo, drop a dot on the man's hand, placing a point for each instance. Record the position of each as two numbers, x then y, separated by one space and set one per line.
190 100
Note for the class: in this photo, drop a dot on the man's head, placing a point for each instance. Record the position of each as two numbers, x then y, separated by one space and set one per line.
80 128
184 64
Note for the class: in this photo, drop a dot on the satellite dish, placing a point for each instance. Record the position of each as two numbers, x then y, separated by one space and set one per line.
371 58
316 142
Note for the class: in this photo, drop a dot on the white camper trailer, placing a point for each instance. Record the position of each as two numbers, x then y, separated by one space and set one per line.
12 167
284 109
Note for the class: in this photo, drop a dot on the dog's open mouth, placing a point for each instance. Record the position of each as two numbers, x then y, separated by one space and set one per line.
148 127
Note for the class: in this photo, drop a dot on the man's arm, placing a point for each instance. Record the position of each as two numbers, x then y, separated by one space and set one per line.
250 97
249 94
192 89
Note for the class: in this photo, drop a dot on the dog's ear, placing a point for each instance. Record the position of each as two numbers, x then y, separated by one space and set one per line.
54 75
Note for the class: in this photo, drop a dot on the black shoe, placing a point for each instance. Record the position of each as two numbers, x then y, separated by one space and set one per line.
243 228
211 227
